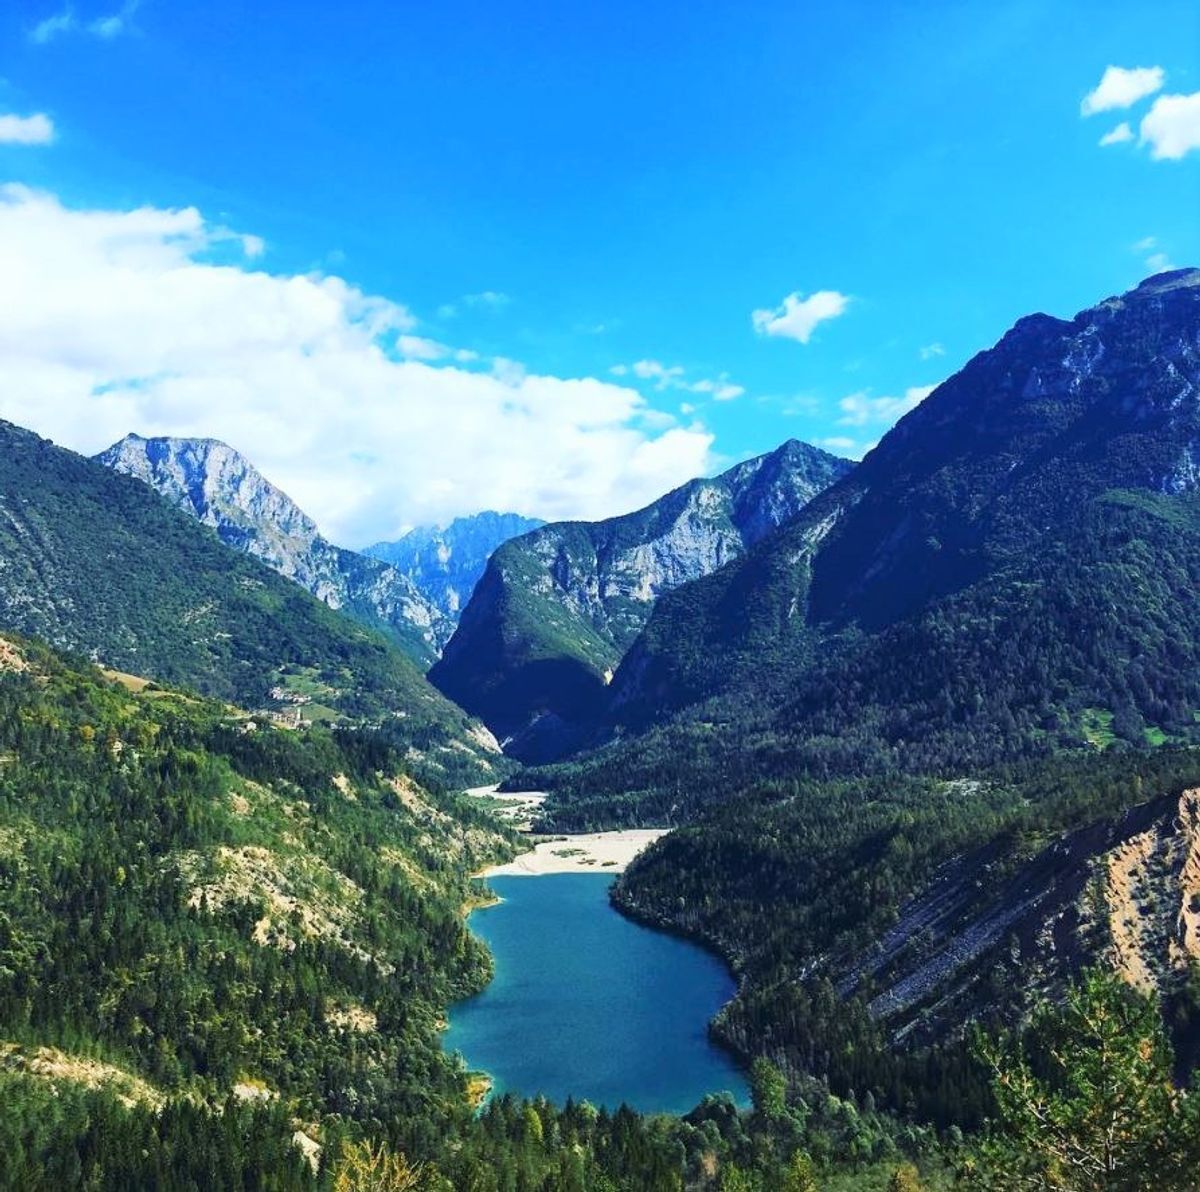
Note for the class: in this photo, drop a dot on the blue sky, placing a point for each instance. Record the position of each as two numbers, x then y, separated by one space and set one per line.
549 191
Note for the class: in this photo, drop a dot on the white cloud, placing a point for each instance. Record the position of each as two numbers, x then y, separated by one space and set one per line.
1157 260
115 23
1118 135
656 419
1172 126
930 351
118 320
105 27
1122 87
861 408
797 317
52 26
846 447
511 372
492 298
839 444
719 388
662 376
37 129
417 347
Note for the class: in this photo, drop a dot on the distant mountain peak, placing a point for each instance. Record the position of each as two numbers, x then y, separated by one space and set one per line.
218 484
445 562
97 563
1172 279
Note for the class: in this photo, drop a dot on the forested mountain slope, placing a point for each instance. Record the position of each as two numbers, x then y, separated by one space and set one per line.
222 911
557 608
1013 570
873 919
933 799
226 951
222 489
99 563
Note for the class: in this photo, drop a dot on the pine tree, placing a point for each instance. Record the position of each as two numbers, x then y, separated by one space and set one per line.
1090 1104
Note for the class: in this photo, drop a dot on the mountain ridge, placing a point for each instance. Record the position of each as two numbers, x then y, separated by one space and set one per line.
97 562
958 489
556 608
222 489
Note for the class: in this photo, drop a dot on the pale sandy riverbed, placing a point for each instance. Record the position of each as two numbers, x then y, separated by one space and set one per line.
518 807
591 852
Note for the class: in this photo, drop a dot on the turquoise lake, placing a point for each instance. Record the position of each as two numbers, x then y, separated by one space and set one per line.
586 1004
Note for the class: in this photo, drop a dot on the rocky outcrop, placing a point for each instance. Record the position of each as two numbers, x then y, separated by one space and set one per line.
1152 899
445 564
223 490
1125 893
557 608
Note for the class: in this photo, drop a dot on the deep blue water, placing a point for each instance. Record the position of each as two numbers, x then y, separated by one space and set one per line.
589 1005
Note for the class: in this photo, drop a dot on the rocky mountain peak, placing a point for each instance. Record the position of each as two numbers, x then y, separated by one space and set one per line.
557 608
1172 279
445 563
222 489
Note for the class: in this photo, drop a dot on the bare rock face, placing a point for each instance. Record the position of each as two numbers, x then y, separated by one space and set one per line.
1152 898
445 564
1125 893
557 608
223 490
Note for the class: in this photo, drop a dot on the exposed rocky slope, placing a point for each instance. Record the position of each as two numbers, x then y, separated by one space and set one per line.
1122 892
222 489
557 608
445 564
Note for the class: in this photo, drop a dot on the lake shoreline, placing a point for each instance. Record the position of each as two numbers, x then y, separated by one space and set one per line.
548 959
608 853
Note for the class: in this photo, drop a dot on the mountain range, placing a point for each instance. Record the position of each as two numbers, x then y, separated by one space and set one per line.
412 589
445 563
98 563
925 730
557 608
932 743
1012 566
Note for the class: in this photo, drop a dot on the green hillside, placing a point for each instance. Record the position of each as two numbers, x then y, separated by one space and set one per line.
97 563
796 881
226 954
